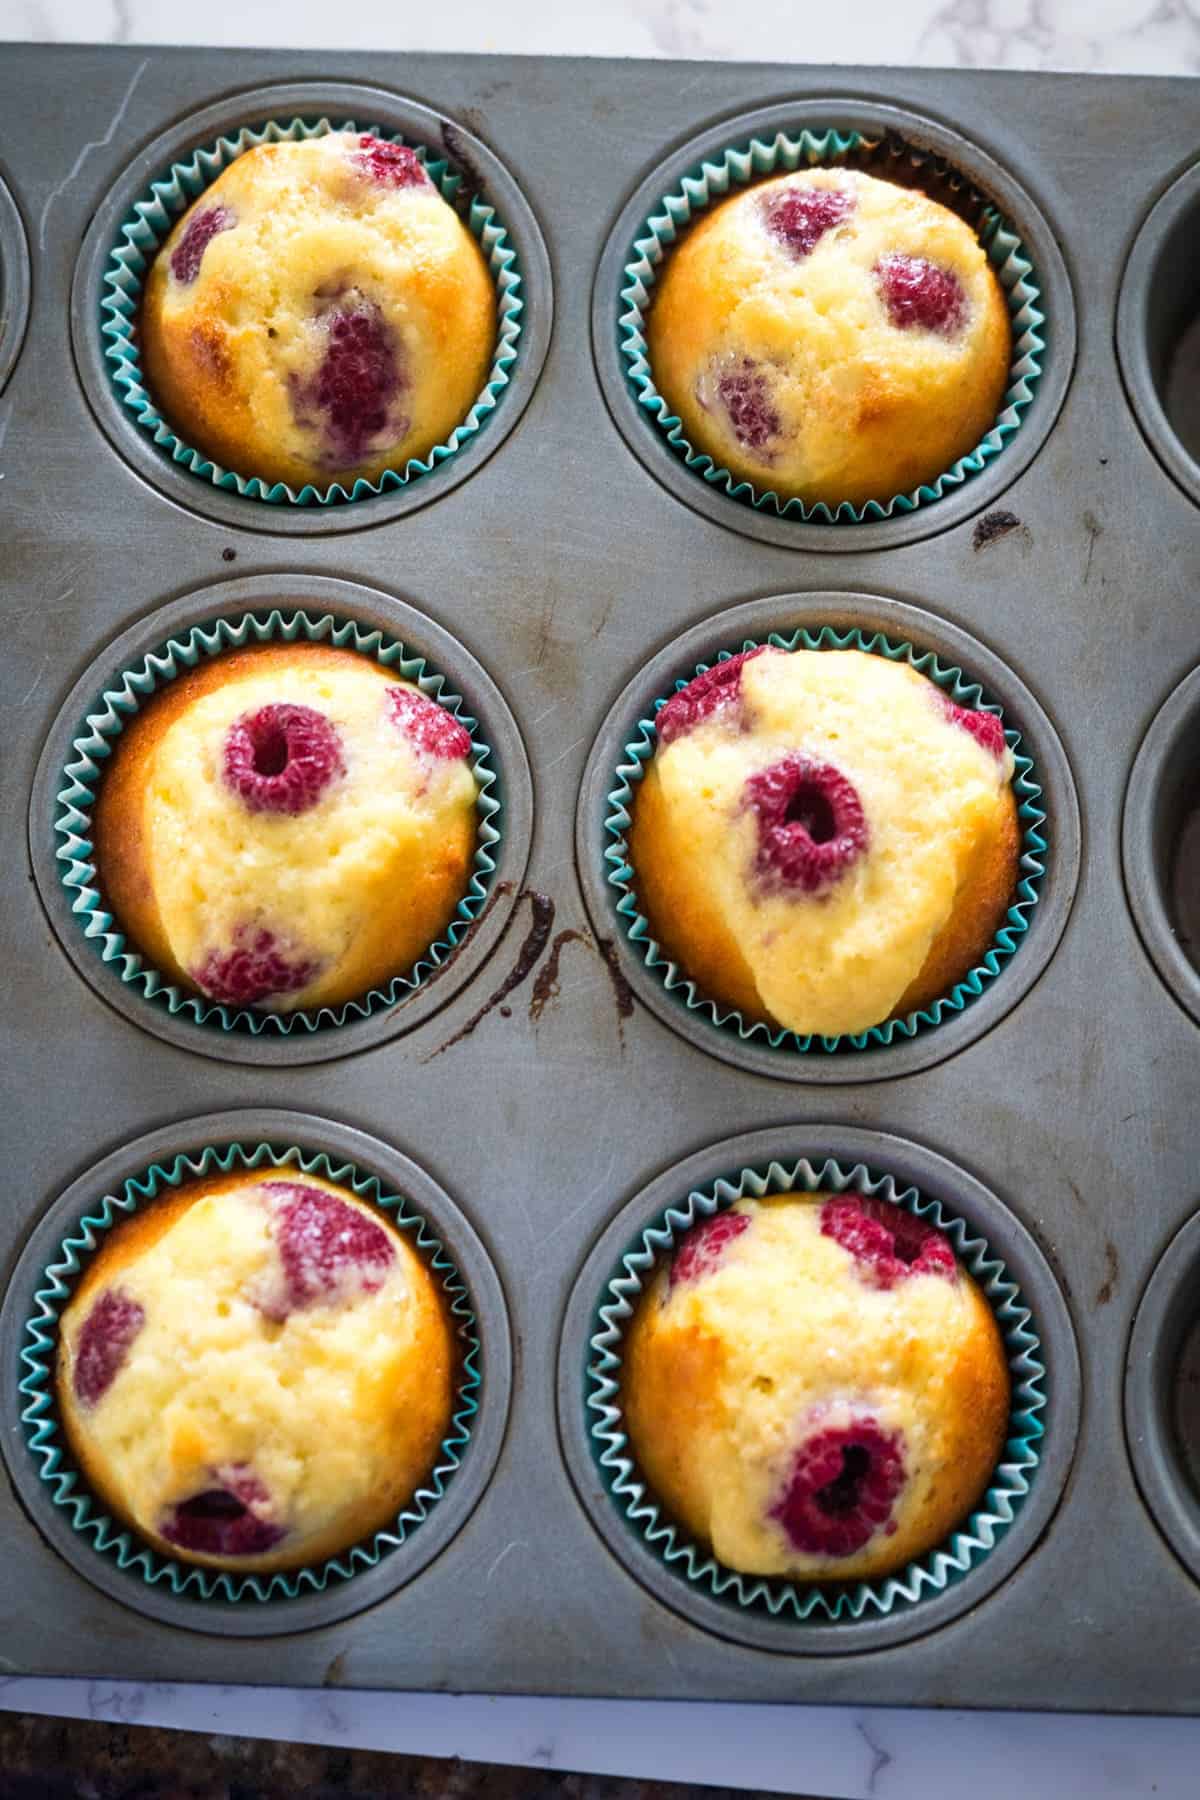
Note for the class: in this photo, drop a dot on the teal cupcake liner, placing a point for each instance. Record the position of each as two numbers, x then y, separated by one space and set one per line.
783 154
809 1602
94 744
47 1443
149 223
1031 862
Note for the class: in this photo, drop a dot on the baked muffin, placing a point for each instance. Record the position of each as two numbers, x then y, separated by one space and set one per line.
823 839
815 1388
319 314
831 337
287 826
256 1372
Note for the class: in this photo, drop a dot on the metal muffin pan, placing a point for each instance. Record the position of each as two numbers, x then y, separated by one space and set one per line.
1158 329
565 569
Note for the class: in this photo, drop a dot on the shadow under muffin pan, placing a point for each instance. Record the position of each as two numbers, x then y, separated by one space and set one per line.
294 1038
914 1044
482 177
811 1618
143 1579
906 141
1158 330
1160 842
14 283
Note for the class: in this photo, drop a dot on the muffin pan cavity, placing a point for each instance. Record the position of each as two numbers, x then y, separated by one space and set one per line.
1162 1395
1158 330
1161 842
14 283
1049 860
130 419
110 1557
961 174
1044 1369
60 845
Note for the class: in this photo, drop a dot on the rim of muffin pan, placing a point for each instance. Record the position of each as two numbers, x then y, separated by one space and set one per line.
874 120
1160 840
964 1197
15 285
393 112
397 1173
1167 1315
329 596
756 620
1155 308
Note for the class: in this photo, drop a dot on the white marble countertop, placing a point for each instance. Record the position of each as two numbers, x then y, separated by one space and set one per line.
884 1754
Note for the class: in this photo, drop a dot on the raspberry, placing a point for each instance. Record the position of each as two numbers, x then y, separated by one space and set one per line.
718 688
282 758
702 1248
985 727
843 1484
225 1520
800 216
745 394
395 165
811 826
357 384
888 1243
426 725
104 1341
252 971
328 1249
918 293
198 234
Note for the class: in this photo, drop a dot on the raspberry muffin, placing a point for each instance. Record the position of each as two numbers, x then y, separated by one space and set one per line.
831 337
286 827
815 1388
319 314
823 840
256 1372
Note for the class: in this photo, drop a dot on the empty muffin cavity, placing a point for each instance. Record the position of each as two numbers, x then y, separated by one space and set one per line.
1158 330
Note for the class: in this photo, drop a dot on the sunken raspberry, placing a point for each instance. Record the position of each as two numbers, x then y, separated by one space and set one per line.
811 825
356 389
103 1344
702 1248
842 1488
198 234
715 690
395 165
985 727
227 1520
745 393
328 1249
255 969
426 725
887 1243
282 758
800 216
918 293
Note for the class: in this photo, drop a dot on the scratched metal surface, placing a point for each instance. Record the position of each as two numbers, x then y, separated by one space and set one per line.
561 564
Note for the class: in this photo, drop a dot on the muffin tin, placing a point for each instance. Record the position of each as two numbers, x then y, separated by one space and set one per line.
555 569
